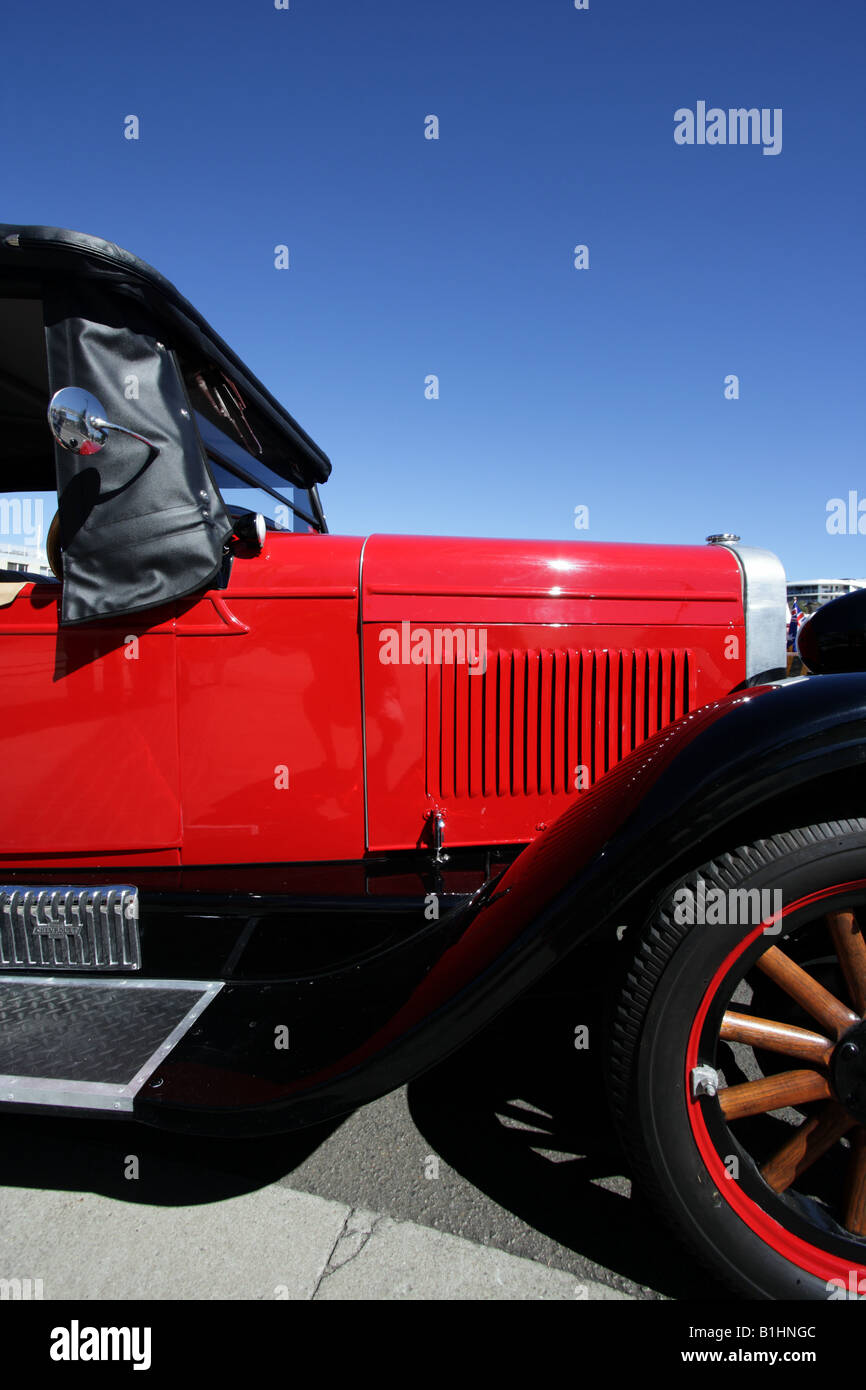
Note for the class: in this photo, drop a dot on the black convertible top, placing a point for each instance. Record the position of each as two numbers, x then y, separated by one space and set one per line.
68 255
141 522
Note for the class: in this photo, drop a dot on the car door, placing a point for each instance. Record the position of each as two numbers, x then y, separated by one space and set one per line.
89 732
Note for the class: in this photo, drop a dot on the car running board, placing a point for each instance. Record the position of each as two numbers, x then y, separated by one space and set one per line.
90 1044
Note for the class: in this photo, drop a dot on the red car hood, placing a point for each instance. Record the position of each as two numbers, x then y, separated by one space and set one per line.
459 579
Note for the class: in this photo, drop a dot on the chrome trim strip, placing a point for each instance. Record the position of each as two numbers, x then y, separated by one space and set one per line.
99 982
74 1095
764 605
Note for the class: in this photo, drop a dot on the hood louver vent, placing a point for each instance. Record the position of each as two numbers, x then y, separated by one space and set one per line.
547 722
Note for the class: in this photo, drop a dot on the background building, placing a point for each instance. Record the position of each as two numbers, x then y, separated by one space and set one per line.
811 593
29 559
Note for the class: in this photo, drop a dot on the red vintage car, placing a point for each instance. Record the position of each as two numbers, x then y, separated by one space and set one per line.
290 816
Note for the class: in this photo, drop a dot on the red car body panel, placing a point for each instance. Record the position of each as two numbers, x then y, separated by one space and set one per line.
169 749
588 650
90 750
270 721
232 729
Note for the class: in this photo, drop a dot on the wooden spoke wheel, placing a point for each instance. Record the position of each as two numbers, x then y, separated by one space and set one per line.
738 1064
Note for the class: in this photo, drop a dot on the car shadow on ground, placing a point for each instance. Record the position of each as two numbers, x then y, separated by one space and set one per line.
521 1113
44 1151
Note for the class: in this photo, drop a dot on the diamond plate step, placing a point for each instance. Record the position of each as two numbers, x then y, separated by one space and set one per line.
90 1044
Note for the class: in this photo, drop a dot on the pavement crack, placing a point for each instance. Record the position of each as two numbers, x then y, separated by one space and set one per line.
356 1231
326 1269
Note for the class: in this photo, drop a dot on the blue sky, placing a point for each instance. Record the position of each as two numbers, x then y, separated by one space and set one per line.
409 257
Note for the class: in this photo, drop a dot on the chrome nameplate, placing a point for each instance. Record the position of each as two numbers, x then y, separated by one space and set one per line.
69 927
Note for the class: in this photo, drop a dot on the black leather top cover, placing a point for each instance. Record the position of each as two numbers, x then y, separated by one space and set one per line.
137 529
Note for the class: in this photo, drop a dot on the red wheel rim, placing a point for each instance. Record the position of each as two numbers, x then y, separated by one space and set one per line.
814 1259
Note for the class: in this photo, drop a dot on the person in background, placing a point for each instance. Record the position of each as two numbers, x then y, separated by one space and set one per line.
795 617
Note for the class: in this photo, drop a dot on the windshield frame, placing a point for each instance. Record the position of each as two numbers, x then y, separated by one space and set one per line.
247 470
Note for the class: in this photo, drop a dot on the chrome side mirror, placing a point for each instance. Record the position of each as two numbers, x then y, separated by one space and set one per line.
78 422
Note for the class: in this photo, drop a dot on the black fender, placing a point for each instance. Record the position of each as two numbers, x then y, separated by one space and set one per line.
740 765
707 775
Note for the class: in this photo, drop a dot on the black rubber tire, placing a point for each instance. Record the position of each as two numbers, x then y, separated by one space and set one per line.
668 974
